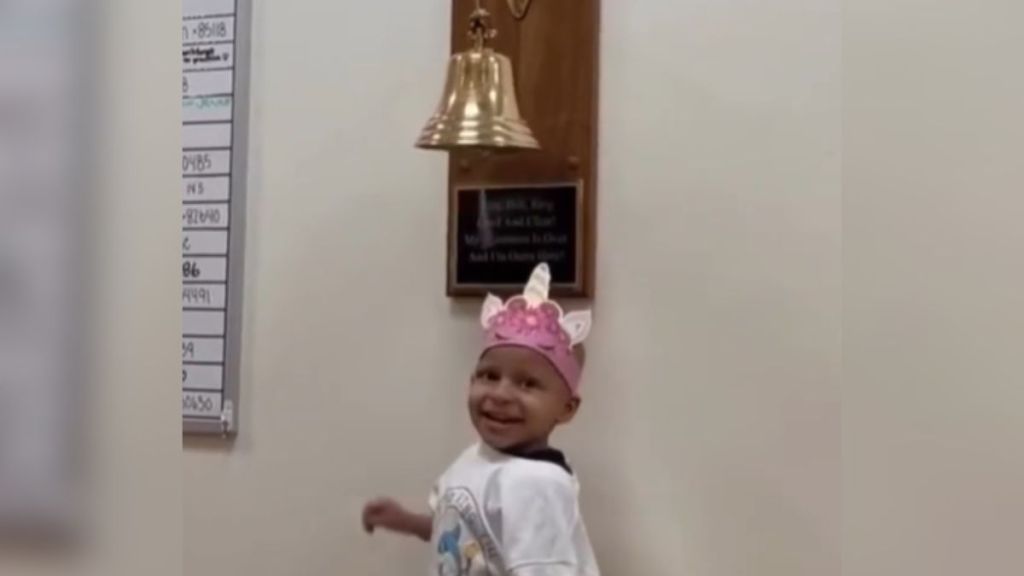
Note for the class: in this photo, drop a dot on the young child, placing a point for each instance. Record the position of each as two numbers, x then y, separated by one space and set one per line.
509 504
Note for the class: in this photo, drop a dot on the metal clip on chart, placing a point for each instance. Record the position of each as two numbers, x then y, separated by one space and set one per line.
227 418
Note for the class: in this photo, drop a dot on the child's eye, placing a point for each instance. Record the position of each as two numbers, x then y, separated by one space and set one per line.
488 375
529 384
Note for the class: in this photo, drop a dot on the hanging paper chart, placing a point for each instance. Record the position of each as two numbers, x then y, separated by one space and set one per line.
214 86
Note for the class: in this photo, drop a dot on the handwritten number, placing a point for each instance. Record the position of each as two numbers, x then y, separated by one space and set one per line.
190 270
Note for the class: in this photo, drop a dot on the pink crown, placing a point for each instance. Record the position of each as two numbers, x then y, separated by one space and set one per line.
535 322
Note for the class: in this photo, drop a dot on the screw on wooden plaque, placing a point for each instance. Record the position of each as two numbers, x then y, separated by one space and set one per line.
574 163
464 165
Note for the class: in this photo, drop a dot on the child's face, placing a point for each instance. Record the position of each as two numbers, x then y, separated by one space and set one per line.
516 398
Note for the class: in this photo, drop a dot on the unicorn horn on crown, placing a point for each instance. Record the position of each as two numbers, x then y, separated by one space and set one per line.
539 286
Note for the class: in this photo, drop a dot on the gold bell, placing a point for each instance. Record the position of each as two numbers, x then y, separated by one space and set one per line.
478 108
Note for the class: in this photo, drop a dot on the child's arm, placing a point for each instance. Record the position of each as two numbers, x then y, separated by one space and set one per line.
390 515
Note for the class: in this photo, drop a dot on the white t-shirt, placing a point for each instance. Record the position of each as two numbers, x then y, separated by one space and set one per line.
499 515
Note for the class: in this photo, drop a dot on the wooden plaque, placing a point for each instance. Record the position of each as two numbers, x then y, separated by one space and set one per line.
554 50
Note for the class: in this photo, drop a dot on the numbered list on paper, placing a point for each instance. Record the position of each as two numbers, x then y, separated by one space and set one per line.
207 88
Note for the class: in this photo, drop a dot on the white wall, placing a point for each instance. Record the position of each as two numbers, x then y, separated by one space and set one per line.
137 283
718 355
934 288
709 439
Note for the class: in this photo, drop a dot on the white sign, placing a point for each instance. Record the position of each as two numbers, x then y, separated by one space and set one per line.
213 50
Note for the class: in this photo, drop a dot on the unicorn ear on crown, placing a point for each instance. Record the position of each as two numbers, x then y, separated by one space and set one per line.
577 325
492 306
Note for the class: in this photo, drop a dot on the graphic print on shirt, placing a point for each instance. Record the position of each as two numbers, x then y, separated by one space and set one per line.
464 545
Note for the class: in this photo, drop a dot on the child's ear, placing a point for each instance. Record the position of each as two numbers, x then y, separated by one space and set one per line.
572 406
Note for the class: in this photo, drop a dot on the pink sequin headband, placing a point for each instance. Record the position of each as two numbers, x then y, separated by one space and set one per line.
533 321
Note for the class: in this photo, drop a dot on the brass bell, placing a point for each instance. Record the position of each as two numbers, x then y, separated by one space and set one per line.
478 108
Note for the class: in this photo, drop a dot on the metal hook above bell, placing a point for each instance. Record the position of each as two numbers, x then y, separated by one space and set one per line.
478 107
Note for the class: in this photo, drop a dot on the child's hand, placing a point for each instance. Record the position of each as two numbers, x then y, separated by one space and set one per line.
384 513
390 515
